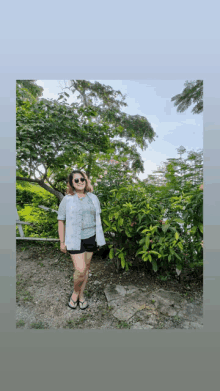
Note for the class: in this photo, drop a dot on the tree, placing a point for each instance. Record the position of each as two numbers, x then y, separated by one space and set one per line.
104 100
49 134
189 169
192 93
31 87
61 137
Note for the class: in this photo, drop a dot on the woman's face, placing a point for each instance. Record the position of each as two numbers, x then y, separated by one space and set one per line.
80 185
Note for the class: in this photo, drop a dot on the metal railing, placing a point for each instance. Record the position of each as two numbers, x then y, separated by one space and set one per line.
20 223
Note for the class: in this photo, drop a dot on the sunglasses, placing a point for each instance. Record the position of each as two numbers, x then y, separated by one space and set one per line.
77 180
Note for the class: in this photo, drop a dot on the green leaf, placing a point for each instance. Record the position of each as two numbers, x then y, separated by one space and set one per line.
154 265
201 228
145 230
178 220
177 255
179 266
153 252
111 253
180 246
193 230
107 223
140 252
120 221
147 241
165 227
176 236
122 262
128 234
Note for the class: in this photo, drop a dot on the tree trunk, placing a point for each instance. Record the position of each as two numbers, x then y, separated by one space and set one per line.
41 183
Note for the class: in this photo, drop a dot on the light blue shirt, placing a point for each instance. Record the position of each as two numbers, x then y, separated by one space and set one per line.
82 216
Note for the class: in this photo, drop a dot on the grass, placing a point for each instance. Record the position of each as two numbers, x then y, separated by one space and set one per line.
25 294
162 278
38 325
107 310
123 325
20 323
161 325
177 318
72 324
21 293
83 318
137 319
87 293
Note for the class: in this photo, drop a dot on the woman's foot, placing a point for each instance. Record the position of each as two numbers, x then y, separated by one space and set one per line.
75 296
83 303
73 301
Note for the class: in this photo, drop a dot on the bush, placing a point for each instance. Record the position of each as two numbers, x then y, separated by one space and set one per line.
137 219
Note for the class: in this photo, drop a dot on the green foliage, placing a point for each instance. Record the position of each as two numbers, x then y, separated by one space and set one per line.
123 325
38 325
89 94
60 136
20 323
45 222
192 93
30 86
134 212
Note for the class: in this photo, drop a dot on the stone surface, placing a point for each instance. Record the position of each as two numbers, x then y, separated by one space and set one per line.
168 311
192 325
124 313
129 301
138 325
152 320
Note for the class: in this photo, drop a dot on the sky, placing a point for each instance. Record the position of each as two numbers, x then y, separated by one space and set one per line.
152 99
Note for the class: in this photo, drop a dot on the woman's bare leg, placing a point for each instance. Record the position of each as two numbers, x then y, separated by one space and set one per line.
79 274
88 257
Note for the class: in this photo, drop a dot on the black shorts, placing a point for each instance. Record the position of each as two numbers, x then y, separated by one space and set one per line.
87 245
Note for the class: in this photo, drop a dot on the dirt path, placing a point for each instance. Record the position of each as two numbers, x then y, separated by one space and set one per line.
117 300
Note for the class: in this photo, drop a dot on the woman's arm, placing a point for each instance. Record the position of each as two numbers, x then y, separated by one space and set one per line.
61 230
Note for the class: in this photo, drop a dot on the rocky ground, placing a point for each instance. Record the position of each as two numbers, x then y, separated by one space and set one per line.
128 300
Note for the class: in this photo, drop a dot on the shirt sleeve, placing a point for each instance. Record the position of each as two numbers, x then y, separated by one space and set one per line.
62 210
100 211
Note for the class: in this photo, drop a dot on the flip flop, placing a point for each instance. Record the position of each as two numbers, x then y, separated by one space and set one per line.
74 303
81 303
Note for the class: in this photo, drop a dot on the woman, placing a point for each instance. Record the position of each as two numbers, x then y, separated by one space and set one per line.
83 232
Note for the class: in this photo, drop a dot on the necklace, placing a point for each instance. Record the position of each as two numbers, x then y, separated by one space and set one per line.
83 196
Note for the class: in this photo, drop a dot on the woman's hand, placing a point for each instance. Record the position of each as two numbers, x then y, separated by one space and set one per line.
63 247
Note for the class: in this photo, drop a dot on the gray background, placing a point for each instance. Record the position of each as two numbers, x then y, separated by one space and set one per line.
127 359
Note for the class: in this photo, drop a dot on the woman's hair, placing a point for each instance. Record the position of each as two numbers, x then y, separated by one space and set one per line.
70 187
